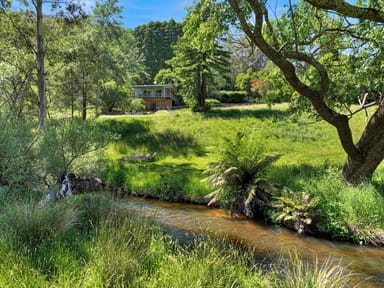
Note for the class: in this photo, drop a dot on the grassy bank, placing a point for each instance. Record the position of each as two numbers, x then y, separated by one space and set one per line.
94 241
311 158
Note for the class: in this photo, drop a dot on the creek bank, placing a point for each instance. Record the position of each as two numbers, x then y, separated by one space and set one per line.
356 235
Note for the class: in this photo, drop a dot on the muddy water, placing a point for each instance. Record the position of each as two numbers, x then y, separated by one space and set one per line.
267 240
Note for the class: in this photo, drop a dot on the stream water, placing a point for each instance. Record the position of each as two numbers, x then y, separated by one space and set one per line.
266 240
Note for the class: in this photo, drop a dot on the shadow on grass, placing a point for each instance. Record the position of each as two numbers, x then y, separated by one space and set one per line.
238 113
138 134
166 181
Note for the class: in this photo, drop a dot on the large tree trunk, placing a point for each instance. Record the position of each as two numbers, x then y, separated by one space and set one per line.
371 149
40 64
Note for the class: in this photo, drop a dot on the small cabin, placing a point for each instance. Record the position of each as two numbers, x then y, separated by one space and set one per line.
156 97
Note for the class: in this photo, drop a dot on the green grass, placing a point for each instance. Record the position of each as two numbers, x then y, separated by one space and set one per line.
110 246
186 142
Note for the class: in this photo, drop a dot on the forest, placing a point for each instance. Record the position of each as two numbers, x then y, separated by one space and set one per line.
277 119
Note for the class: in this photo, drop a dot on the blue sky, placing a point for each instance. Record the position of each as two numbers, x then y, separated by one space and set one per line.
138 12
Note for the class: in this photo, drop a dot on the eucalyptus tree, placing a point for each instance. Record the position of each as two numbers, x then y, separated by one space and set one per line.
38 47
243 55
318 38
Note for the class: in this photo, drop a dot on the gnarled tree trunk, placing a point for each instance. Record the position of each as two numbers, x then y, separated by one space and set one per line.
371 150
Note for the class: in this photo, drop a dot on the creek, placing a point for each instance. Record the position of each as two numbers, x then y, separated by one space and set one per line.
267 241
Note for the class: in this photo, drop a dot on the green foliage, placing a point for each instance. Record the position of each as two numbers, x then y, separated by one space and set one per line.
121 248
171 187
165 76
198 60
136 105
17 153
213 103
272 85
296 210
65 142
244 82
232 96
114 96
239 173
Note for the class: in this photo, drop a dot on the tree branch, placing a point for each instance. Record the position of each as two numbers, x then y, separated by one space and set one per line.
349 10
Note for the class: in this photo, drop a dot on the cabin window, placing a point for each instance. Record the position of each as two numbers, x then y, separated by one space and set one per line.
147 93
158 93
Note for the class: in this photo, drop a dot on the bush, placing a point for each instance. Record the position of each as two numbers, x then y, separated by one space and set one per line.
66 141
213 103
17 153
297 210
136 105
232 96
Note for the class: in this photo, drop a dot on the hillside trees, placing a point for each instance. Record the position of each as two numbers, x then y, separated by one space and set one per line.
155 41
198 56
318 45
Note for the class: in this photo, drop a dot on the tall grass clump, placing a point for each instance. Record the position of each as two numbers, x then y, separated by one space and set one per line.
297 272
121 244
204 263
26 225
239 174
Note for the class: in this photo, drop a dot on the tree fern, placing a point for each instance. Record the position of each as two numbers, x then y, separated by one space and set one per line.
239 175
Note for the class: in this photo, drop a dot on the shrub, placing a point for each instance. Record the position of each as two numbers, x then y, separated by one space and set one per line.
113 96
136 105
66 141
213 103
232 96
17 153
239 175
